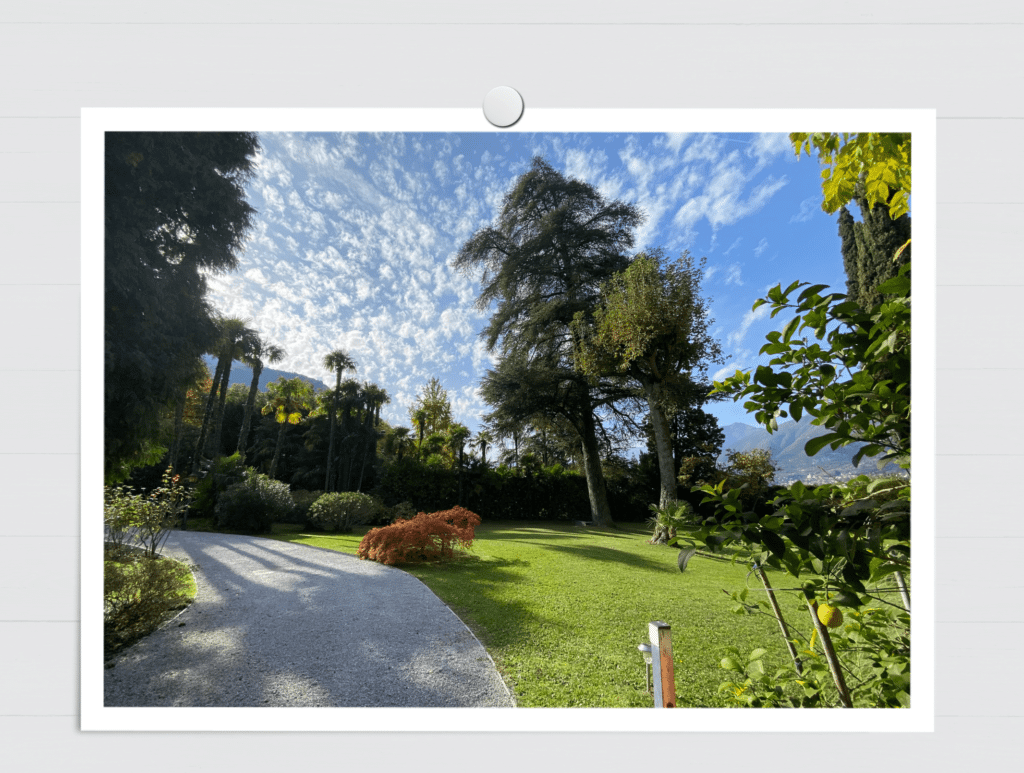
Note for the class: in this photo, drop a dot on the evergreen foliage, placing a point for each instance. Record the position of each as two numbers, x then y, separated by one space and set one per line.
869 247
174 207
555 241
253 504
652 327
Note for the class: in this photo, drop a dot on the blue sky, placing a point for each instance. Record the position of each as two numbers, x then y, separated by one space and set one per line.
353 244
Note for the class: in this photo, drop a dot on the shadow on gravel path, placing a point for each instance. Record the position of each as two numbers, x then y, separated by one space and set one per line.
278 624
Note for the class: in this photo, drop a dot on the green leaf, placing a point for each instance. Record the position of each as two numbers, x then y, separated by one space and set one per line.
898 285
816 444
730 664
812 290
773 542
789 329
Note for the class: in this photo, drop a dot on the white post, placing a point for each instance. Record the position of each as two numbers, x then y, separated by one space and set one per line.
660 635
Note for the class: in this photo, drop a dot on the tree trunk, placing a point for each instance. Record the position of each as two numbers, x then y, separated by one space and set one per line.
662 442
330 443
218 424
600 512
243 436
207 412
277 449
179 421
371 438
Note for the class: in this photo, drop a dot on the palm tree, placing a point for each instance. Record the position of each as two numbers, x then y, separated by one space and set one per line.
351 398
233 338
288 399
336 362
402 441
374 397
239 339
261 353
484 439
419 418
458 434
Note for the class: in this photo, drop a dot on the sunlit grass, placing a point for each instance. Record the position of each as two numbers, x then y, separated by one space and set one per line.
140 594
561 609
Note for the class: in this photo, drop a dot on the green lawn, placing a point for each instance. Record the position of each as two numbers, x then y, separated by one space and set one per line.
561 609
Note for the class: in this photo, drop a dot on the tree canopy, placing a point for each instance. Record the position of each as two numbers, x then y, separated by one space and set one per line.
651 325
175 208
555 241
880 161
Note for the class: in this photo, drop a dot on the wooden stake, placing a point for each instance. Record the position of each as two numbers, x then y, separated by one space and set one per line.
902 585
830 653
778 616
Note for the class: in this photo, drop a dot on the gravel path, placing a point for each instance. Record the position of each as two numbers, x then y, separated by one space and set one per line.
278 624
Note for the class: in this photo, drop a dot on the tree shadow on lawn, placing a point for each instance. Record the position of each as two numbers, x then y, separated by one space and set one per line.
611 555
556 531
465 585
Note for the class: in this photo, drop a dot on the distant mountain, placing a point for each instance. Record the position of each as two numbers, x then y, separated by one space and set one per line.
242 374
787 447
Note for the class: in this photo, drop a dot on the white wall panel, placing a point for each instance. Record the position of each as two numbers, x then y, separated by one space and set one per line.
979 329
42 676
974 500
438 65
39 496
237 14
33 308
30 431
41 241
962 59
979 244
979 410
40 573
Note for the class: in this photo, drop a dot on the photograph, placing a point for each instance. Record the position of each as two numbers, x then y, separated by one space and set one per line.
510 419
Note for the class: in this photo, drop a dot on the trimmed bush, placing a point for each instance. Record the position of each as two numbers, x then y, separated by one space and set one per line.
225 472
343 511
403 511
427 537
253 505
138 592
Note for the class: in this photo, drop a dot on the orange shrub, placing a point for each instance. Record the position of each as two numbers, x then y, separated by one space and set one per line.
427 537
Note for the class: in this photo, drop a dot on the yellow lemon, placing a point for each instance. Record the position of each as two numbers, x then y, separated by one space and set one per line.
830 616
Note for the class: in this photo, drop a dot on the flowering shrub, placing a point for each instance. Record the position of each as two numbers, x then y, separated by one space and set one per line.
427 537
146 518
253 505
341 511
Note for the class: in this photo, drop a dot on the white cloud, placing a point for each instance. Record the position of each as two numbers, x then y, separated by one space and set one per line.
761 247
736 336
809 207
674 141
733 276
723 373
767 147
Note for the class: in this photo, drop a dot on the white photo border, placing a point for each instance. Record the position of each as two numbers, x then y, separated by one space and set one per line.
918 718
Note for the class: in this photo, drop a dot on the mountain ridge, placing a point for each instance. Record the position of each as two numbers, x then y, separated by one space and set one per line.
242 374
787 447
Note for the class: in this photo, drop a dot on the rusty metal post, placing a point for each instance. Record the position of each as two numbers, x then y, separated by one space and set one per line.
664 670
